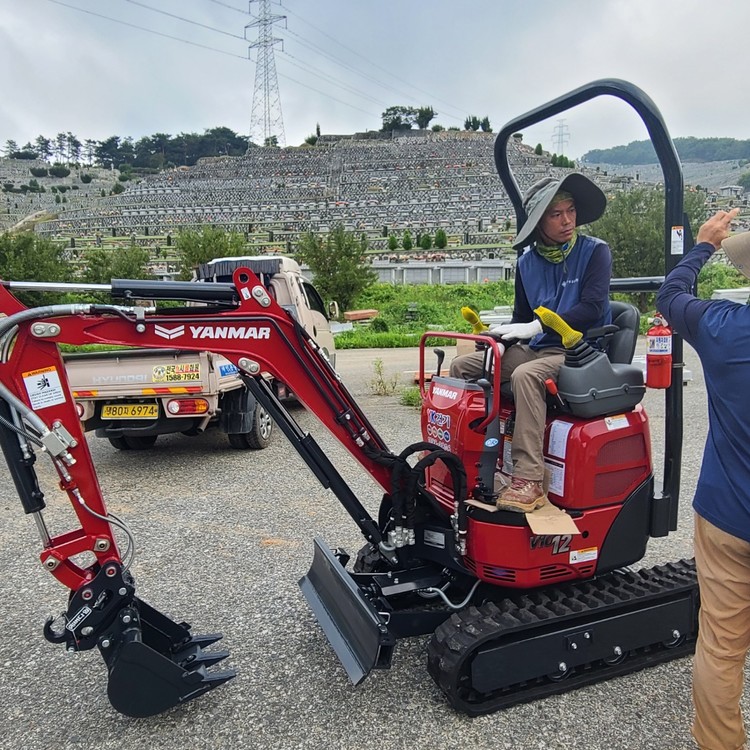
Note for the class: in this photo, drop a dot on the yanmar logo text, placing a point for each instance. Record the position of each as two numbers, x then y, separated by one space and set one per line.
438 391
214 332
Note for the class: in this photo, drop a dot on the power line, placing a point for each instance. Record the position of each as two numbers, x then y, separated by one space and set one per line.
231 7
304 66
211 49
142 28
186 20
367 60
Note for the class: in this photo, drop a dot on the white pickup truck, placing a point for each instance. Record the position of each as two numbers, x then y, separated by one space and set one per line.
132 396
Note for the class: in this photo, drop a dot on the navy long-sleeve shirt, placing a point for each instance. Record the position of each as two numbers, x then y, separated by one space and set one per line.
719 331
576 289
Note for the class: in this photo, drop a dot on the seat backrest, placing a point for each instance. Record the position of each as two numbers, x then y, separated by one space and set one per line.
622 345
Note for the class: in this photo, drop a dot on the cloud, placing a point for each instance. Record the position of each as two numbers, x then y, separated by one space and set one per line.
68 68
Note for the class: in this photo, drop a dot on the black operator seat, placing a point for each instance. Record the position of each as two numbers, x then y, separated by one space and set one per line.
619 338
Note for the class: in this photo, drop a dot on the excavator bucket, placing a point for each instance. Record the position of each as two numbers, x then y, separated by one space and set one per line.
155 664
355 629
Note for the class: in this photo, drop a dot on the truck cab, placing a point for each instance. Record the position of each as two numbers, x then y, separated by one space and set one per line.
286 283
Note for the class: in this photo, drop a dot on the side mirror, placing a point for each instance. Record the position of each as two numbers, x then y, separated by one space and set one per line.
333 310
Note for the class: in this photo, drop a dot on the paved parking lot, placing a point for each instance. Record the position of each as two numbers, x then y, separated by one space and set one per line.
223 537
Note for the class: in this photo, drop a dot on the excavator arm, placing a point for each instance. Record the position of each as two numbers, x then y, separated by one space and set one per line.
153 662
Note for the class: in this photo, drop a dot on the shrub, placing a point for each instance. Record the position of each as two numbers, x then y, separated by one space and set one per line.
38 171
382 384
86 179
59 170
411 396
379 325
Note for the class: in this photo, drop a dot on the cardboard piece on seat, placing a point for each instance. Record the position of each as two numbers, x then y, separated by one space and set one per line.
547 520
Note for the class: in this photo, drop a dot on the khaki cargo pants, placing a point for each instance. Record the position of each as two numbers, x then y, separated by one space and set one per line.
526 369
723 563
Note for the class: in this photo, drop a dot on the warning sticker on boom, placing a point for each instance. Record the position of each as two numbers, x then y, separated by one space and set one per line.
44 387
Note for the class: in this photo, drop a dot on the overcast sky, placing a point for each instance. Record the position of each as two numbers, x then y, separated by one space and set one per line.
98 68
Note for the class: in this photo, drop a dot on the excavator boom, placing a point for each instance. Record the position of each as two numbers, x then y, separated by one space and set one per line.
153 662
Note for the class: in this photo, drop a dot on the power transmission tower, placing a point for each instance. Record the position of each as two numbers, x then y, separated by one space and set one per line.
560 137
266 121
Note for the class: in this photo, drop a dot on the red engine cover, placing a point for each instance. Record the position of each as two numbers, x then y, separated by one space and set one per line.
593 467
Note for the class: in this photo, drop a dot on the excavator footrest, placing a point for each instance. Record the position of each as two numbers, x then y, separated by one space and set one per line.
355 629
155 664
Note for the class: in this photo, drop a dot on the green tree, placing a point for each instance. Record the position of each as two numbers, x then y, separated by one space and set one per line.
406 241
98 266
398 118
633 227
424 116
437 128
107 152
194 248
339 264
472 122
425 241
392 242
43 147
131 263
28 257
441 239
538 150
485 125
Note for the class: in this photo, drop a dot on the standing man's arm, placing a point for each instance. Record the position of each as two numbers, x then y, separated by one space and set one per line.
675 299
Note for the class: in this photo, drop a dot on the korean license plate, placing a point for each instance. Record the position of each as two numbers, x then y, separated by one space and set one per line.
130 411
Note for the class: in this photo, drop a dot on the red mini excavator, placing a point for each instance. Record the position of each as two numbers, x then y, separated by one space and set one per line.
515 614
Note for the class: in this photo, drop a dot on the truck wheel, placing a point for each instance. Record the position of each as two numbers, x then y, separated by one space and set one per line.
260 434
140 442
120 443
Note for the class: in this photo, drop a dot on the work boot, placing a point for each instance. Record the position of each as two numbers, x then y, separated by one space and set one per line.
523 496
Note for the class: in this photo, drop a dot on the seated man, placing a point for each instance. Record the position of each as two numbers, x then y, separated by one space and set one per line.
567 272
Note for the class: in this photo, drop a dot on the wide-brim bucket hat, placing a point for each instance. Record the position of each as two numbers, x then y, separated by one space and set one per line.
737 249
590 202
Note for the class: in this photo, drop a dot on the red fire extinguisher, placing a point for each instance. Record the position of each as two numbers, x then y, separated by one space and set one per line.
659 354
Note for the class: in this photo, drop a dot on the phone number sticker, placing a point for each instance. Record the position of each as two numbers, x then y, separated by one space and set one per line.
179 373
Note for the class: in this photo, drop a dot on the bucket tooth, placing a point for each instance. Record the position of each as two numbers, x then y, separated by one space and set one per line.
205 640
155 664
196 658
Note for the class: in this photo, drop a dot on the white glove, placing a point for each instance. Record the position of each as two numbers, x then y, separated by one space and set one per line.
521 331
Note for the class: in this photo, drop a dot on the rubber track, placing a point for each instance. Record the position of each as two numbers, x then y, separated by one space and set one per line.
455 643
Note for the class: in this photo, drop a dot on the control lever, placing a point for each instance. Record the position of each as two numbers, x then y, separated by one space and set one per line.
552 390
440 354
491 445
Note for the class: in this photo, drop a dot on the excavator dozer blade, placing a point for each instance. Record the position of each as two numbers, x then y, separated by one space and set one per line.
156 664
355 629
